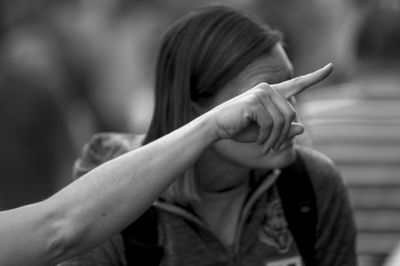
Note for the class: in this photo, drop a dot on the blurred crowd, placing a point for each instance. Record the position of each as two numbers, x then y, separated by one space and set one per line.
71 68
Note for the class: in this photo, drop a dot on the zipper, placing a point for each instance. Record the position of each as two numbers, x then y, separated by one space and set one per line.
180 212
266 184
269 181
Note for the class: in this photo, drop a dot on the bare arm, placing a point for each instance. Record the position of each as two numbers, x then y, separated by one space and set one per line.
107 199
130 182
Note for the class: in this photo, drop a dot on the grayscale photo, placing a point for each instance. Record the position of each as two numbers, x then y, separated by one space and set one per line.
201 133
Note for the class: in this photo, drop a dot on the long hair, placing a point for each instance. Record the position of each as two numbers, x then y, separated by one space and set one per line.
200 54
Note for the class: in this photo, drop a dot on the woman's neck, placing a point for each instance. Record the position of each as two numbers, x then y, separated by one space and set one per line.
217 174
223 187
221 211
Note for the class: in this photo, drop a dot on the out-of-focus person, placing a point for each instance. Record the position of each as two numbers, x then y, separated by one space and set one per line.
357 124
34 122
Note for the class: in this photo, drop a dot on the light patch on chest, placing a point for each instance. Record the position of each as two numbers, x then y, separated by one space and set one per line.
274 231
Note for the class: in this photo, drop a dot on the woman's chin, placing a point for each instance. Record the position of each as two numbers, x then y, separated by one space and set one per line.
286 156
279 159
249 155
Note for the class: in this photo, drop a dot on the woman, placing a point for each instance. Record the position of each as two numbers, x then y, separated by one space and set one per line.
226 207
107 199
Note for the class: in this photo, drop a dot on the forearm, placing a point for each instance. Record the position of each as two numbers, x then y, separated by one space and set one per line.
117 192
102 202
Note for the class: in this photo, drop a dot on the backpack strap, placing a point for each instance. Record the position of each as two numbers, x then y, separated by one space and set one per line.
141 240
300 207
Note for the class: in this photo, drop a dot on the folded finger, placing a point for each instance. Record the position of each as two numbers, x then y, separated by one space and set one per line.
277 124
264 121
288 113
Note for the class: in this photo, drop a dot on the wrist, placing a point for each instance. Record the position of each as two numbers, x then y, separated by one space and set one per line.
207 124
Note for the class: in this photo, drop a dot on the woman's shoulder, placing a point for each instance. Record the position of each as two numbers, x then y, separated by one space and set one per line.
323 172
103 147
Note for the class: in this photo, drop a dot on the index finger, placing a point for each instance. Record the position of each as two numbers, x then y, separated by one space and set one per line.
296 85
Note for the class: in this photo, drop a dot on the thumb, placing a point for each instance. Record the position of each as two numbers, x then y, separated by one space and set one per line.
295 129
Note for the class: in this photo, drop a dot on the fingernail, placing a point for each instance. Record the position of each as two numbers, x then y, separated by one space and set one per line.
329 66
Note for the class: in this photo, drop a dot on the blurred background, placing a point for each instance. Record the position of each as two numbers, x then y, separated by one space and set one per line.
69 69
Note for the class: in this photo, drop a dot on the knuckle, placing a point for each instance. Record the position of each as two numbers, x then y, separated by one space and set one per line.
257 96
251 99
263 85
260 92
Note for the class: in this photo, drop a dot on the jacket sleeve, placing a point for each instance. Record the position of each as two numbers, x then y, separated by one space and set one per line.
336 231
100 149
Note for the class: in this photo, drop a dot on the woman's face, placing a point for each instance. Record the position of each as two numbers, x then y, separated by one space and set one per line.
272 68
